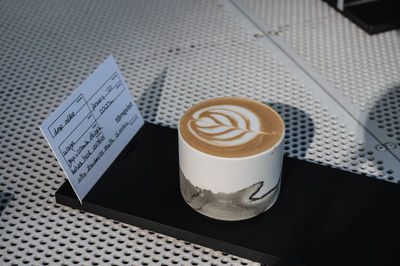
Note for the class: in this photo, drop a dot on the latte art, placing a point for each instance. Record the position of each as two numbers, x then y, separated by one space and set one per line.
231 127
225 125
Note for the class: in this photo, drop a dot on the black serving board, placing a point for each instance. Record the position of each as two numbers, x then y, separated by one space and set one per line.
323 216
372 16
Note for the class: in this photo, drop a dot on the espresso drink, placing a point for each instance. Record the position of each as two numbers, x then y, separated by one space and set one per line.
230 157
231 127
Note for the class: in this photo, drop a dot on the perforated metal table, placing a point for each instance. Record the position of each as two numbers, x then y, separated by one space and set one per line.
337 88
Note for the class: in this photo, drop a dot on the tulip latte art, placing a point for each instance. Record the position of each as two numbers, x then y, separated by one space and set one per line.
231 127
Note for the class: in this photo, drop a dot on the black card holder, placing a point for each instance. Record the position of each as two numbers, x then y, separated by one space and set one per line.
323 216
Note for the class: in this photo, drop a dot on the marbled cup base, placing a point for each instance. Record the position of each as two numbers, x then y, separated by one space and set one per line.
233 206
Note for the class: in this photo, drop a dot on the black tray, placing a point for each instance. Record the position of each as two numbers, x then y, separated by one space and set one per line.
372 16
323 216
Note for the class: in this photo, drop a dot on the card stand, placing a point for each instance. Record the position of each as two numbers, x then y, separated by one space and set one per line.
323 216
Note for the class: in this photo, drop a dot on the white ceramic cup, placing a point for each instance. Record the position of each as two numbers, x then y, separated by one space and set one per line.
230 188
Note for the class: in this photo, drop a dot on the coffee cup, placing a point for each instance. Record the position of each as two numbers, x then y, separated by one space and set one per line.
230 157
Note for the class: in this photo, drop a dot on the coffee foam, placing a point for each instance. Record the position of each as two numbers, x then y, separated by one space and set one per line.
231 127
225 125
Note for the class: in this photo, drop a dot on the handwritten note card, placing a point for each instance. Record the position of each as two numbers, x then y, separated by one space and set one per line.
89 130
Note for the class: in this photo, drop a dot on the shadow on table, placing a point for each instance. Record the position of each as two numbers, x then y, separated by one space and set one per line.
299 131
149 100
5 199
385 118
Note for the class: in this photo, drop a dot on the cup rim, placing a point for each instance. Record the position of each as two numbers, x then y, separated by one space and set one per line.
235 158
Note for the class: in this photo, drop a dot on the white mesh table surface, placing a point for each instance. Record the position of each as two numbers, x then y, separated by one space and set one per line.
336 87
